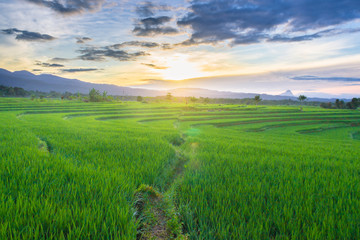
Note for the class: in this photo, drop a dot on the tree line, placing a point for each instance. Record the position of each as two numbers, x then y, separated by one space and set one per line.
97 96
341 104
13 92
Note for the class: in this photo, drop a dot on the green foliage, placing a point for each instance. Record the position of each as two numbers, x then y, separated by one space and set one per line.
169 97
206 100
339 104
257 99
12 91
353 104
94 95
139 98
83 188
302 98
193 99
176 140
272 183
224 171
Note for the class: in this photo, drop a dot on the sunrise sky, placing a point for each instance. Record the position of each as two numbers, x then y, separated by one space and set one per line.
261 46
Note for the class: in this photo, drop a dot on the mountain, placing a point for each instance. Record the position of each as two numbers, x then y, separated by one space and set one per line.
48 82
288 93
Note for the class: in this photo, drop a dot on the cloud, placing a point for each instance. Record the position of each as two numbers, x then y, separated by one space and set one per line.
136 44
337 79
75 70
49 64
101 53
57 59
167 46
247 22
308 37
142 44
148 9
282 38
37 70
149 25
69 7
154 66
27 36
81 40
152 26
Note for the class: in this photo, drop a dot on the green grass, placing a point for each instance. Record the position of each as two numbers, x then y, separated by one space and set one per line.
71 170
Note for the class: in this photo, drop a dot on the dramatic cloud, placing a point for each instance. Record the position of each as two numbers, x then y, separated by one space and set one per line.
246 22
82 40
49 64
338 79
68 7
100 54
154 66
27 36
149 25
74 70
154 26
148 9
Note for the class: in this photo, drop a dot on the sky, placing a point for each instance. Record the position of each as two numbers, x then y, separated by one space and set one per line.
257 46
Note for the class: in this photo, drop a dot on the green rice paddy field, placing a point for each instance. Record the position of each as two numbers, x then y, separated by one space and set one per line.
71 170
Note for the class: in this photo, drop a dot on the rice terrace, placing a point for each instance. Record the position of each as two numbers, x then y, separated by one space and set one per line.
129 170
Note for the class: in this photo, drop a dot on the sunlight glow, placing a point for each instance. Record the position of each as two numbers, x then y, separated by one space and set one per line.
180 68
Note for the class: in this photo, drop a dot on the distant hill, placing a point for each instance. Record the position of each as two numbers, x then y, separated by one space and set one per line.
48 82
200 92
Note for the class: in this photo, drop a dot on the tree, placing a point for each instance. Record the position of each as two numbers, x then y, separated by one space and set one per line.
11 91
169 96
19 92
104 96
206 100
54 94
67 95
354 104
193 99
302 98
257 99
139 98
94 95
337 103
342 104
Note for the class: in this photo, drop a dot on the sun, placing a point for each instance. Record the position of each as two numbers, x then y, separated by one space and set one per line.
179 68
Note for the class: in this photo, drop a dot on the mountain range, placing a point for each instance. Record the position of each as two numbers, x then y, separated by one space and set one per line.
48 82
